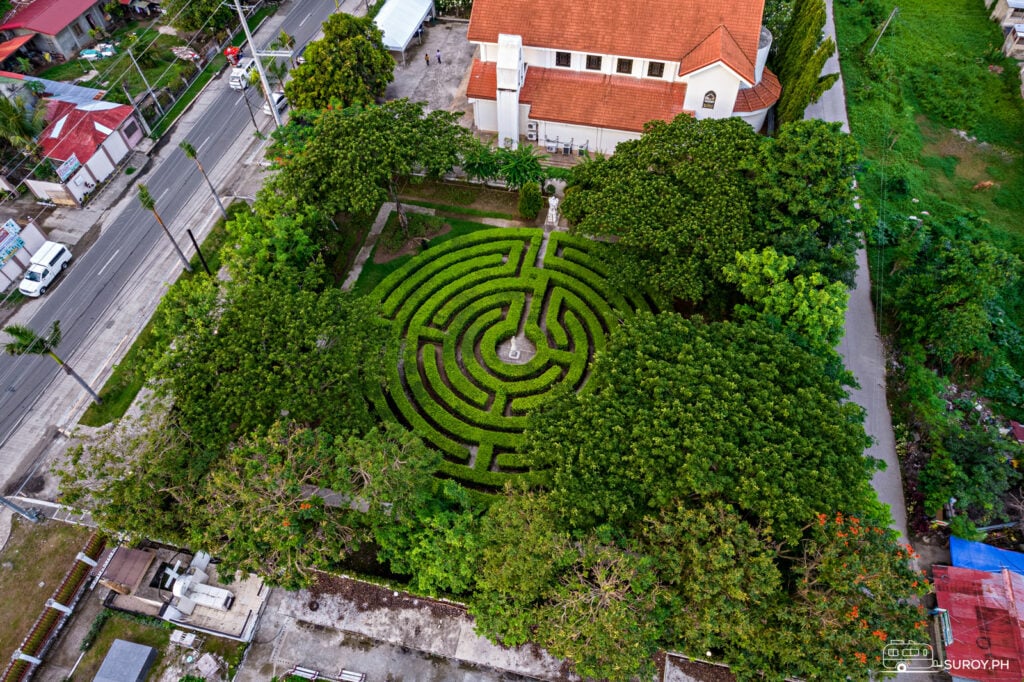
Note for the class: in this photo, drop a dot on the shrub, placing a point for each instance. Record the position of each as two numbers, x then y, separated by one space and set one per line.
530 201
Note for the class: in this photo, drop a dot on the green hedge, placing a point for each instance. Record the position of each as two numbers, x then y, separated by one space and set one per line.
455 304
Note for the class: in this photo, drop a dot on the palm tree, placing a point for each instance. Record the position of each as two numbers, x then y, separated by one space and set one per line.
146 199
190 152
28 342
19 126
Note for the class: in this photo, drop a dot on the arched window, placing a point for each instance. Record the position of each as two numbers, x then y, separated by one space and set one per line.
709 99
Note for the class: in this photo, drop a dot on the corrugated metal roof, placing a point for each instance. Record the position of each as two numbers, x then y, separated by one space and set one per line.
985 616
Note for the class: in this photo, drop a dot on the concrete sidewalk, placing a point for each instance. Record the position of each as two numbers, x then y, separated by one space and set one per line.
861 346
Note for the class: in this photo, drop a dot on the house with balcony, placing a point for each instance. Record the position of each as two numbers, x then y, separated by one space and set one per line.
588 74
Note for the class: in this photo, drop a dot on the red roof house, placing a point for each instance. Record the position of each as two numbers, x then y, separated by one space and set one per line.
80 129
58 26
986 613
592 72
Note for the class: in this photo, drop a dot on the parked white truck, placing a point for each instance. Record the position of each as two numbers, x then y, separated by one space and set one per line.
49 261
239 78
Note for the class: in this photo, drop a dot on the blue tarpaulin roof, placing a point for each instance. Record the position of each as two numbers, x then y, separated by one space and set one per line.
984 557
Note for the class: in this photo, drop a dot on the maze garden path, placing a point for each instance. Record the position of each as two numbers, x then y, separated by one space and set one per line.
458 380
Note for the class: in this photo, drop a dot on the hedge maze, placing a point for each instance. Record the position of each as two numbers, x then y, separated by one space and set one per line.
487 326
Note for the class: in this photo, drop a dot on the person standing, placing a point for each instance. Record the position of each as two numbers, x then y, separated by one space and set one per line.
438 56
426 58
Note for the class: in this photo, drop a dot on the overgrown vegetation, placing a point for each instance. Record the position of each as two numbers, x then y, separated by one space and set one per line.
947 175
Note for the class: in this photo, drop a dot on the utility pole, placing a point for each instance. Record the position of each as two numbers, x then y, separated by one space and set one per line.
892 14
146 82
259 64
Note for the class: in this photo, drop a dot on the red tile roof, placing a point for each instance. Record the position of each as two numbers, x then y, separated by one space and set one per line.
986 614
761 96
1017 430
557 95
81 129
667 30
48 17
719 46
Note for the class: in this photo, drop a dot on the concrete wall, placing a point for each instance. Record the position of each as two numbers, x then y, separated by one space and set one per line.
717 79
12 270
51 191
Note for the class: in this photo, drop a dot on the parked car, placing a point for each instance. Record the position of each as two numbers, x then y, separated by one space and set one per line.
239 78
280 102
49 261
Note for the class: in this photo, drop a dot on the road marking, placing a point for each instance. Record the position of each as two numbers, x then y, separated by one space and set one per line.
305 20
109 261
159 198
204 143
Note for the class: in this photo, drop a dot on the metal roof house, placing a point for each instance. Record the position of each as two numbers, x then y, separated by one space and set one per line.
126 662
57 27
986 619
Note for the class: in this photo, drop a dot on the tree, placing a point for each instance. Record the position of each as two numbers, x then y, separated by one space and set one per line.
810 308
348 66
520 166
139 477
25 341
19 126
679 200
352 161
297 499
148 203
945 289
806 199
802 54
677 409
438 546
259 351
279 245
208 16
190 152
480 161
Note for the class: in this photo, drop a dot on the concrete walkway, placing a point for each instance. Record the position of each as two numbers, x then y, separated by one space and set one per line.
861 346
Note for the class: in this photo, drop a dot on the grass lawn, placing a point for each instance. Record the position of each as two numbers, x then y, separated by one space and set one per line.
37 553
374 273
131 373
936 69
129 630
461 197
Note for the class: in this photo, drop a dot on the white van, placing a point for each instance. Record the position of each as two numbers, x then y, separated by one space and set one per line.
239 78
49 261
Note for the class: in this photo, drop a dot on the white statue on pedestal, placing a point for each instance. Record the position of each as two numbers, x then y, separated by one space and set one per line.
552 211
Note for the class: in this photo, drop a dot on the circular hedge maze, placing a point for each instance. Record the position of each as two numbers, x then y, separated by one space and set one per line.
488 325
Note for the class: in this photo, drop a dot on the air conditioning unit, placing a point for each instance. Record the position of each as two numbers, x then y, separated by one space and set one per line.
532 126
532 136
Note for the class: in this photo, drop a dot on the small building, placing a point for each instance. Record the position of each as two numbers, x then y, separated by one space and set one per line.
587 74
400 21
986 622
1013 44
57 27
126 662
183 588
85 143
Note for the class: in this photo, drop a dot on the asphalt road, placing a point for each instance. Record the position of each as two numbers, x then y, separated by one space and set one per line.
89 286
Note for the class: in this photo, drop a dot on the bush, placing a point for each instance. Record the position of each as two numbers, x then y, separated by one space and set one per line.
530 201
934 84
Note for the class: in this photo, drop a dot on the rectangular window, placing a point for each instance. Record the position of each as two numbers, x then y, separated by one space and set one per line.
76 29
594 62
563 59
656 69
624 66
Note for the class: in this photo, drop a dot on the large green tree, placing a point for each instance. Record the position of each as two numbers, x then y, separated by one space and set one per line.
208 16
806 201
684 410
679 200
353 160
299 499
348 66
258 351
